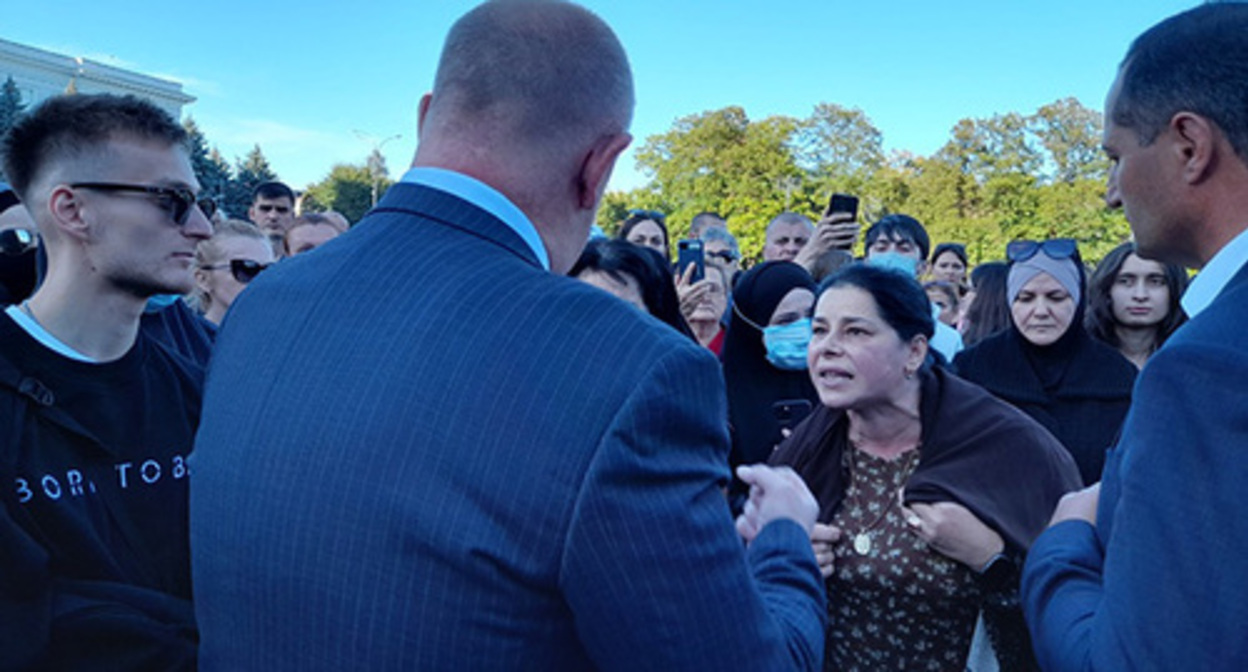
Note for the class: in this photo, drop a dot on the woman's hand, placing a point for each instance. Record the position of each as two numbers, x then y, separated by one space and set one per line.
952 530
690 293
822 538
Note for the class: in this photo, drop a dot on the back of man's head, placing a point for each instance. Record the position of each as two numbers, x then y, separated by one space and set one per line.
540 72
66 130
1196 61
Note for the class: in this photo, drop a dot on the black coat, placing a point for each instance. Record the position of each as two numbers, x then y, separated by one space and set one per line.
1084 407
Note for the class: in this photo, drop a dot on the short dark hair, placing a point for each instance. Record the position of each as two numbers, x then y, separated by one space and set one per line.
620 258
1100 320
958 250
1195 61
903 227
272 190
68 126
900 299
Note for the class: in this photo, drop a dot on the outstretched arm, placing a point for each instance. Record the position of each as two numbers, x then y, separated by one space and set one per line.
1159 583
654 570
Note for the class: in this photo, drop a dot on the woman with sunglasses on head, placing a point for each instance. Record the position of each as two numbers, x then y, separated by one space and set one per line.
225 263
1046 364
921 519
1133 303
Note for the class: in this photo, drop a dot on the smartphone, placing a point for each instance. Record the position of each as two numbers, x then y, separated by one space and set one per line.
689 251
843 203
849 205
790 412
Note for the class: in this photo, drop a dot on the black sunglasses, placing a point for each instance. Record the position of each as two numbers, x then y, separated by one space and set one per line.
175 201
243 270
1055 248
727 256
16 241
208 206
650 214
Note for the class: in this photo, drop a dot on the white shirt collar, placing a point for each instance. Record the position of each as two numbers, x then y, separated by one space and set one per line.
1213 277
485 197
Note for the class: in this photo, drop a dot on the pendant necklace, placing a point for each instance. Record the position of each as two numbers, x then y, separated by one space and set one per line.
862 538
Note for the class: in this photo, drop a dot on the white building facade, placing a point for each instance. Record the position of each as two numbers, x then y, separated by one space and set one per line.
41 74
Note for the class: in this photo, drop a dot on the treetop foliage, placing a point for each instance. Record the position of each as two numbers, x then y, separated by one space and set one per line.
996 179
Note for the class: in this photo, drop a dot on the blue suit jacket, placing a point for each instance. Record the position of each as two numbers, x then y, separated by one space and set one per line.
1161 582
421 451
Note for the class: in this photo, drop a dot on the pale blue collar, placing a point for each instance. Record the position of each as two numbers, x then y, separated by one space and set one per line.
43 336
1213 277
485 197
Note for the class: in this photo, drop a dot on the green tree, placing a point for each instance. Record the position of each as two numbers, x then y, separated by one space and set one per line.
720 160
377 170
839 147
11 107
210 169
347 189
1071 135
1011 175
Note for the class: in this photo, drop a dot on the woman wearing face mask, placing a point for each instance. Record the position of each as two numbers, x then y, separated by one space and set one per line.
1046 364
921 515
764 359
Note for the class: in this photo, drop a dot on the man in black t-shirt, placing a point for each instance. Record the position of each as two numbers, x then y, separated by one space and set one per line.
96 419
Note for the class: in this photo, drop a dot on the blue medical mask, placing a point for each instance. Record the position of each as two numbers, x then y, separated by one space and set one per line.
893 261
786 344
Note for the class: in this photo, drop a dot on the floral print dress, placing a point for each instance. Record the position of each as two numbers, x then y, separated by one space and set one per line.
893 603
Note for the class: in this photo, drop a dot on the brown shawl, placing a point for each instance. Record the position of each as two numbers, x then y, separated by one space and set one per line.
975 450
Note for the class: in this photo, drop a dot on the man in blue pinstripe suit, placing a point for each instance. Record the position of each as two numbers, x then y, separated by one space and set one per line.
493 467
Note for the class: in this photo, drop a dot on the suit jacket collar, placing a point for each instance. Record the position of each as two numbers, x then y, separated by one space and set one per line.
450 210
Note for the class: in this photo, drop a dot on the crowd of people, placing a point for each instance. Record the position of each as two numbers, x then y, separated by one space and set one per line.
457 435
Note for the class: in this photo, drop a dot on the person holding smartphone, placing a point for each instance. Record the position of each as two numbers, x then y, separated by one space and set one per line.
837 229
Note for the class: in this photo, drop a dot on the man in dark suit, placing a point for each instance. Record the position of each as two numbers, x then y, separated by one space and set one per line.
489 466
1148 569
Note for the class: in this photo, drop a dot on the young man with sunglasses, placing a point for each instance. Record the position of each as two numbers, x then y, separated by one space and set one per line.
97 418
1147 569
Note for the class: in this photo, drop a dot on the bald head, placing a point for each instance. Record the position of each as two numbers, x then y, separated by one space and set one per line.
535 70
533 98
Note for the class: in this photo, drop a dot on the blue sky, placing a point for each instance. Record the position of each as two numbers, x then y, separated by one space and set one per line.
320 83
